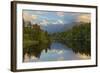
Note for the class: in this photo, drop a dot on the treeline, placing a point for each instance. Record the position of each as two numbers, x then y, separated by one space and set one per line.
34 35
78 38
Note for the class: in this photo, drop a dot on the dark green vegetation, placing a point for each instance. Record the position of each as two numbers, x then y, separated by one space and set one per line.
78 38
36 50
34 40
34 35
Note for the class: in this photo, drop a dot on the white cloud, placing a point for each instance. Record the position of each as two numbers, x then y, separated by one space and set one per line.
44 22
55 22
34 17
60 21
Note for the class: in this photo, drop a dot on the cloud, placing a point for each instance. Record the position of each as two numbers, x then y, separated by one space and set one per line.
34 17
84 18
28 17
61 14
54 22
44 22
58 22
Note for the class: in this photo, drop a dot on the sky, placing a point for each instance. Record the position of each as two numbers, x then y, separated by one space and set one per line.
54 17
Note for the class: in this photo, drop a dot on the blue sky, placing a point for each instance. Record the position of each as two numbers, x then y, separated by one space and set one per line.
54 17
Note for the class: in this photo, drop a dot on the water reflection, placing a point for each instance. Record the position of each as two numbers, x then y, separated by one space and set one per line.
79 46
54 51
35 50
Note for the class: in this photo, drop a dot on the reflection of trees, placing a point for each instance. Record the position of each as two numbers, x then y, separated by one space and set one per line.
36 50
78 46
34 39
78 38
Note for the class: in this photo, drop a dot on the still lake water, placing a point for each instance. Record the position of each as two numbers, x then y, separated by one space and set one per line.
56 52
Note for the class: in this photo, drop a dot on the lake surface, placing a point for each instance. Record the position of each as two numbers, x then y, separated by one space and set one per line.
54 52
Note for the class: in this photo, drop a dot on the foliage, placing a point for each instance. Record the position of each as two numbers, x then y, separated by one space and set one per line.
34 35
78 38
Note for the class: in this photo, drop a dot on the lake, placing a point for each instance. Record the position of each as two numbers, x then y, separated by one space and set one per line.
55 51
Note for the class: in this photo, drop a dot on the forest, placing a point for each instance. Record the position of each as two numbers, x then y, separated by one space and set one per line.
34 35
78 38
